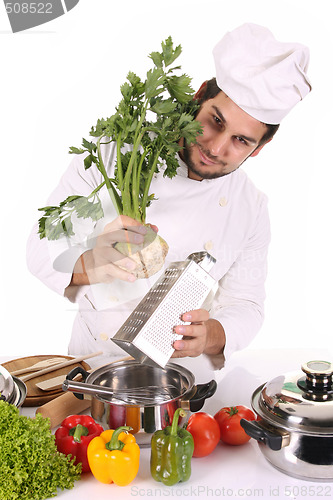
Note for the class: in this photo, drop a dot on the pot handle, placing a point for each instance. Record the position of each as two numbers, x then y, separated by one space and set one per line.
270 437
203 391
75 371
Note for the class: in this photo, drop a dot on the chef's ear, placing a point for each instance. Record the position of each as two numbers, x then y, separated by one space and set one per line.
200 93
259 148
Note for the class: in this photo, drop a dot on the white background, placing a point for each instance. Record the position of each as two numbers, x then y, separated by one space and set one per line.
58 78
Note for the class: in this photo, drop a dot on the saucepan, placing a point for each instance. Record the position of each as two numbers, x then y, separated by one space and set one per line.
295 422
12 389
142 396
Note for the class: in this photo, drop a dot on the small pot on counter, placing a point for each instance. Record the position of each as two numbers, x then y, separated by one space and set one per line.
12 389
142 396
295 422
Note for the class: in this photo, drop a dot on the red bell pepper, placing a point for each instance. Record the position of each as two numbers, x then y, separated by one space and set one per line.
74 435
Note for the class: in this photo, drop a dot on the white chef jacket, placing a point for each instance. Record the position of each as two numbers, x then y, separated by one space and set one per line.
228 217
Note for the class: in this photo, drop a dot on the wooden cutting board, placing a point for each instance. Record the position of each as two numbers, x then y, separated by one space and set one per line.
35 396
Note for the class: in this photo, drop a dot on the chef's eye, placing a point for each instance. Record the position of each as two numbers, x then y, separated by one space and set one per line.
241 140
217 120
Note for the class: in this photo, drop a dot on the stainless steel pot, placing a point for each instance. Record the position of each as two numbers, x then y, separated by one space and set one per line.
12 389
295 426
142 396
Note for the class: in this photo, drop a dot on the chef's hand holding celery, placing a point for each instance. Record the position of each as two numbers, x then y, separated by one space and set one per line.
105 262
128 248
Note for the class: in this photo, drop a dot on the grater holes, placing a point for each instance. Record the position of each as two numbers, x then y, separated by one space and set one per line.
160 290
188 295
151 301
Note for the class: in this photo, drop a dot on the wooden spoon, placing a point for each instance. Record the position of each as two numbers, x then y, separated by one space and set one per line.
38 366
60 365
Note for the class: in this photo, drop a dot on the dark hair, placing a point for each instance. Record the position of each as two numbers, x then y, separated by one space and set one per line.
211 89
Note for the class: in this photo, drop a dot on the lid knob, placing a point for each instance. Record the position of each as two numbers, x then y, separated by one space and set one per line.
318 382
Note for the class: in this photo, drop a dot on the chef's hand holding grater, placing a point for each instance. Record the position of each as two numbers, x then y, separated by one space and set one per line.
148 334
194 335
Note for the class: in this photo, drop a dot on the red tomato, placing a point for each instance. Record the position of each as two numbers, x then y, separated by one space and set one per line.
228 420
205 432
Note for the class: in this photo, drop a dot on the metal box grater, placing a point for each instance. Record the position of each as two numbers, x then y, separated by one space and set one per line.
148 333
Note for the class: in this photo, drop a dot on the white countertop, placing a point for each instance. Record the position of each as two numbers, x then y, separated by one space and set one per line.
236 472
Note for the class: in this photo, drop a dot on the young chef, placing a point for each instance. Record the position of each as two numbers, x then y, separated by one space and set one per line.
210 205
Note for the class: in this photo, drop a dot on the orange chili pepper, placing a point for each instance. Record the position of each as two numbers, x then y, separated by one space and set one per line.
133 418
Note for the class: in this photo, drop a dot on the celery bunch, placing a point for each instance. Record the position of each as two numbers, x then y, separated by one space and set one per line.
151 118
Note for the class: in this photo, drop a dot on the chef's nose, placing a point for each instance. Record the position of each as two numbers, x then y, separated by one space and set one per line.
219 145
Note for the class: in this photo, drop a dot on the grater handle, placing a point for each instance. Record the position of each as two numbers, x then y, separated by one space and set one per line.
204 259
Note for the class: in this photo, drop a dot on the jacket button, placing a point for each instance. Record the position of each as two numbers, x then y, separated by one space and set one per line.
223 201
208 245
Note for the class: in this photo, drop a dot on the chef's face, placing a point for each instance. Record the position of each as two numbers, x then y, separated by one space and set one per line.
229 137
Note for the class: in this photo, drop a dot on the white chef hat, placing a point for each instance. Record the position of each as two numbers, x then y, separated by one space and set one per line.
263 76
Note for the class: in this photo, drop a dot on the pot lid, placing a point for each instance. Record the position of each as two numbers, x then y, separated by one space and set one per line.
6 384
299 402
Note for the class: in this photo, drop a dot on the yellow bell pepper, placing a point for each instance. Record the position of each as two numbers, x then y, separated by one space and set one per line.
114 456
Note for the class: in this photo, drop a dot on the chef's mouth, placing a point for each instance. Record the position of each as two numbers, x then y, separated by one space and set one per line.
207 159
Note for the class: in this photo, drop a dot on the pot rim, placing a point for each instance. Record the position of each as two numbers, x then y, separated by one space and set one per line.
112 367
21 389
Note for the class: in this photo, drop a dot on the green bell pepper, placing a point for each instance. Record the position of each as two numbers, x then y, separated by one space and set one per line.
171 453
